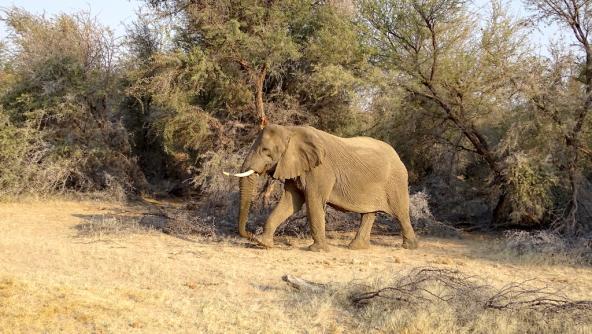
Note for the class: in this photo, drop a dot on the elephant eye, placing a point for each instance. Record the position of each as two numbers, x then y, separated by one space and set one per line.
267 152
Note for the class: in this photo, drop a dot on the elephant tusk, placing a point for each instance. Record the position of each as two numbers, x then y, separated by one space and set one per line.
247 173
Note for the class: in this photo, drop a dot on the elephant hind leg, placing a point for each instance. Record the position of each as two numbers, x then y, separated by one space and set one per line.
362 239
400 209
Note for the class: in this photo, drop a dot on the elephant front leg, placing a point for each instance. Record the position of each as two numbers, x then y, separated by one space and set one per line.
290 202
316 219
362 239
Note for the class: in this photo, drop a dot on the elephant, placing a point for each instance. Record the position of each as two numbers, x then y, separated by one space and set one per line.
359 174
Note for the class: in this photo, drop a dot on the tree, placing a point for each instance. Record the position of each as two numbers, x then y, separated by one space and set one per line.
253 35
270 48
462 79
572 79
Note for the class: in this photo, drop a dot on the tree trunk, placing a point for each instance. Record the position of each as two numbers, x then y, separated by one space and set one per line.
259 106
573 141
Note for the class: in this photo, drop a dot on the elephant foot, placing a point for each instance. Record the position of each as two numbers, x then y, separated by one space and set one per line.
265 242
358 244
410 243
318 247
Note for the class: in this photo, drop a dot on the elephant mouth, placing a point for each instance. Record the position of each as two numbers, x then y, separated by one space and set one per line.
271 170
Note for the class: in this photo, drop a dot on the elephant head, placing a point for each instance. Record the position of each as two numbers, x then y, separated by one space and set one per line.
281 152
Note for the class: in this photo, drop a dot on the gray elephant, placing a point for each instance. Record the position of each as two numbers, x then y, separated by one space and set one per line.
358 174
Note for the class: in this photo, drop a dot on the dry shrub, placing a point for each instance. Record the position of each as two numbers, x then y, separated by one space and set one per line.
59 131
423 220
470 303
33 163
296 226
523 242
213 214
434 300
185 223
543 247
427 285
218 203
419 206
215 187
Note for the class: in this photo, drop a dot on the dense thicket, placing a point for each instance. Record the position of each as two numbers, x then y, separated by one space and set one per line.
494 131
58 129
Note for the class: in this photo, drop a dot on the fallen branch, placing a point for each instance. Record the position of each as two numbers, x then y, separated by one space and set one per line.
428 285
302 284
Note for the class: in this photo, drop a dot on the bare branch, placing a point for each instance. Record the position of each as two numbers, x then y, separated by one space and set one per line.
429 285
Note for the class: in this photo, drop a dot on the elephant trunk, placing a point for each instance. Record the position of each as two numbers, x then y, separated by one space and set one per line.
247 185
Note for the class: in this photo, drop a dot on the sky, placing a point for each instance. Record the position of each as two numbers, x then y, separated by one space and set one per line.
541 36
116 13
112 13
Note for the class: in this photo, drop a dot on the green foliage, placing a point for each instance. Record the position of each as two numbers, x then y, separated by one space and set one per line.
187 128
530 187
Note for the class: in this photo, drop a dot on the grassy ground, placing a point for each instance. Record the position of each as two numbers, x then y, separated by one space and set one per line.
57 274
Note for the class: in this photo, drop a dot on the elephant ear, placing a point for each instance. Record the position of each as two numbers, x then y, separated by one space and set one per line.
304 152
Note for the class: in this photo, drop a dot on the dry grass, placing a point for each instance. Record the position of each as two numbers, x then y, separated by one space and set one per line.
543 248
130 278
470 301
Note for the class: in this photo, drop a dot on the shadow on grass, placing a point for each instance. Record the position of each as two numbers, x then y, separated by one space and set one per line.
527 250
182 222
99 225
190 221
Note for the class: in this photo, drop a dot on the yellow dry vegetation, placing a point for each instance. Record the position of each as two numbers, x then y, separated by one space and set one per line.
53 280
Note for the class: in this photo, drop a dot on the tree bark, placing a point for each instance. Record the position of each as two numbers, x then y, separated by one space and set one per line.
573 141
259 80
